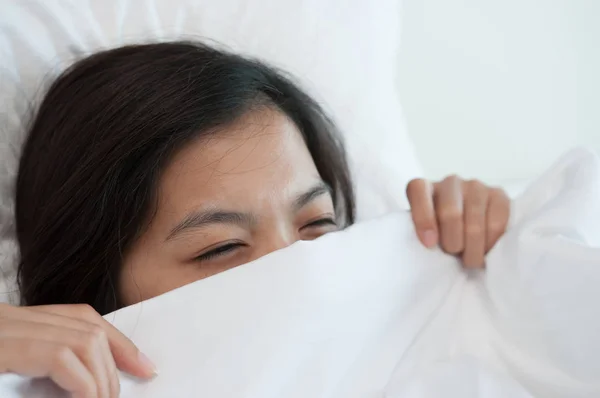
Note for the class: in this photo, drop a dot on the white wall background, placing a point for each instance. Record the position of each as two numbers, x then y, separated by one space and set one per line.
498 89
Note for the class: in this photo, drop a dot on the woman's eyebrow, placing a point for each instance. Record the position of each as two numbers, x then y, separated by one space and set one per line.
321 188
203 218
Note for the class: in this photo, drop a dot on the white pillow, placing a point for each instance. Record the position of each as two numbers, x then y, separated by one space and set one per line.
342 51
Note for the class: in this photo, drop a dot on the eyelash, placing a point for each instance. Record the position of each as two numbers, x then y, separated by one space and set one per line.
229 247
321 222
219 251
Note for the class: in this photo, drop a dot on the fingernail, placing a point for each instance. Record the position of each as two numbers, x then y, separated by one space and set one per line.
147 363
429 238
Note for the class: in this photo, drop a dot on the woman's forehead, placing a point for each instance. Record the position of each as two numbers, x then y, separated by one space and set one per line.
261 155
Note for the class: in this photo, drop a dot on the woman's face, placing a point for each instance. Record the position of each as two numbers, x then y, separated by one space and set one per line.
247 190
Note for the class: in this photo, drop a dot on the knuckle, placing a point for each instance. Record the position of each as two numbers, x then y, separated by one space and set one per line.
425 224
61 356
452 244
97 333
475 211
88 344
452 179
450 214
473 230
452 248
93 338
424 220
62 359
475 185
85 311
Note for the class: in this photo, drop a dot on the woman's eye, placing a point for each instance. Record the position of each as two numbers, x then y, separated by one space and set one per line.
322 222
219 251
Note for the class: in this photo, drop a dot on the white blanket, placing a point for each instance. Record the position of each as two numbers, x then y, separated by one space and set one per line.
368 312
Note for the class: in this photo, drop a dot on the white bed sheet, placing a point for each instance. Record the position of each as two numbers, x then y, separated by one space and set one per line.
369 312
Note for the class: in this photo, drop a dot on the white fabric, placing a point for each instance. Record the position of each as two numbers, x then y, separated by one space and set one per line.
370 313
343 51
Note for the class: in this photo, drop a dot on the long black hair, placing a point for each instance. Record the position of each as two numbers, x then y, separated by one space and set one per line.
88 174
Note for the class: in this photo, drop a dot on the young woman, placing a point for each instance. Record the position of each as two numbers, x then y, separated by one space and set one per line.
149 167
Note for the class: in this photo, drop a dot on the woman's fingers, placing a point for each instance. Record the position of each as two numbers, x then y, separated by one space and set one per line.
38 358
93 350
111 369
498 215
475 209
420 197
466 217
89 344
126 355
448 202
72 344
